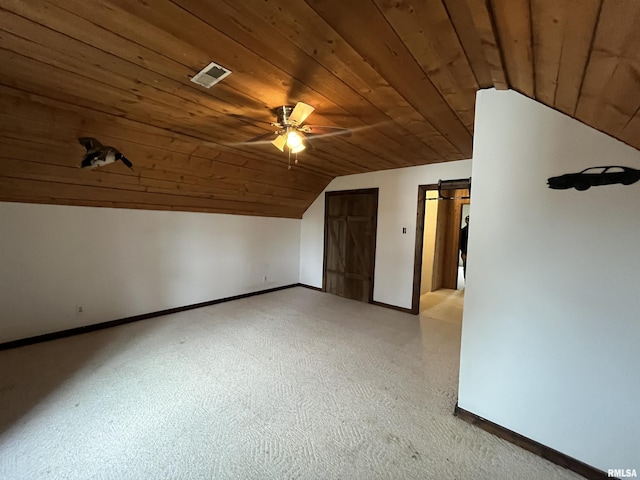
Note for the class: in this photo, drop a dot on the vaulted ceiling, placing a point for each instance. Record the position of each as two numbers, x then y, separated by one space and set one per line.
401 73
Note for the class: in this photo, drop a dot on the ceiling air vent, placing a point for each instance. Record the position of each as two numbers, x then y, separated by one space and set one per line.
210 75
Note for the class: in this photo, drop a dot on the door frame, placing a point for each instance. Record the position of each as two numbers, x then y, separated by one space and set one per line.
376 194
417 266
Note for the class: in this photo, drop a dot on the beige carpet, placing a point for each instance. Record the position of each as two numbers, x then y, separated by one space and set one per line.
294 384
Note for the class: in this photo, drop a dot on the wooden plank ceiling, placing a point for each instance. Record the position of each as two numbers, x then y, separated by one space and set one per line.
401 73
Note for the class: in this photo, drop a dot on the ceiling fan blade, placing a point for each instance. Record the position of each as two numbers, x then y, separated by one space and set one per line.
260 137
300 113
306 142
279 142
327 131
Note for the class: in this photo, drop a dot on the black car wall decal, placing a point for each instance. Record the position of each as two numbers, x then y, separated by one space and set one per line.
595 176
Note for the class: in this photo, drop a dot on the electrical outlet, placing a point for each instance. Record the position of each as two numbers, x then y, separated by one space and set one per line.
79 309
264 279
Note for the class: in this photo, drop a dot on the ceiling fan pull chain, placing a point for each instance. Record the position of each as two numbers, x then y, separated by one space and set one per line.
289 167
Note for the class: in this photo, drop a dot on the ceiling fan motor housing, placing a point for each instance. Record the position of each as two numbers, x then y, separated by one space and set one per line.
283 113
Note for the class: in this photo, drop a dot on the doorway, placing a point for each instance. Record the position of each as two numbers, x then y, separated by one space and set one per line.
438 224
349 243
464 215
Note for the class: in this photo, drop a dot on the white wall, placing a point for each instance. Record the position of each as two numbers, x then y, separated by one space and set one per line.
117 263
397 208
551 328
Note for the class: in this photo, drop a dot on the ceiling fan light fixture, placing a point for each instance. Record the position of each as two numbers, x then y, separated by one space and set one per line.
279 142
294 142
300 113
298 149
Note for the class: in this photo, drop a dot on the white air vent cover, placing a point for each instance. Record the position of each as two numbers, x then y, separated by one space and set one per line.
210 75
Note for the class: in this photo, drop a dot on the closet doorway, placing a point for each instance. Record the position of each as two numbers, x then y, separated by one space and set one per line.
438 226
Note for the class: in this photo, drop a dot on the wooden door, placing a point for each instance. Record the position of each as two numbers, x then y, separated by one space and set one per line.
349 243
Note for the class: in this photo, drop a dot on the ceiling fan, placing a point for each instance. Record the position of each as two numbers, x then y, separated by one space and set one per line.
292 132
